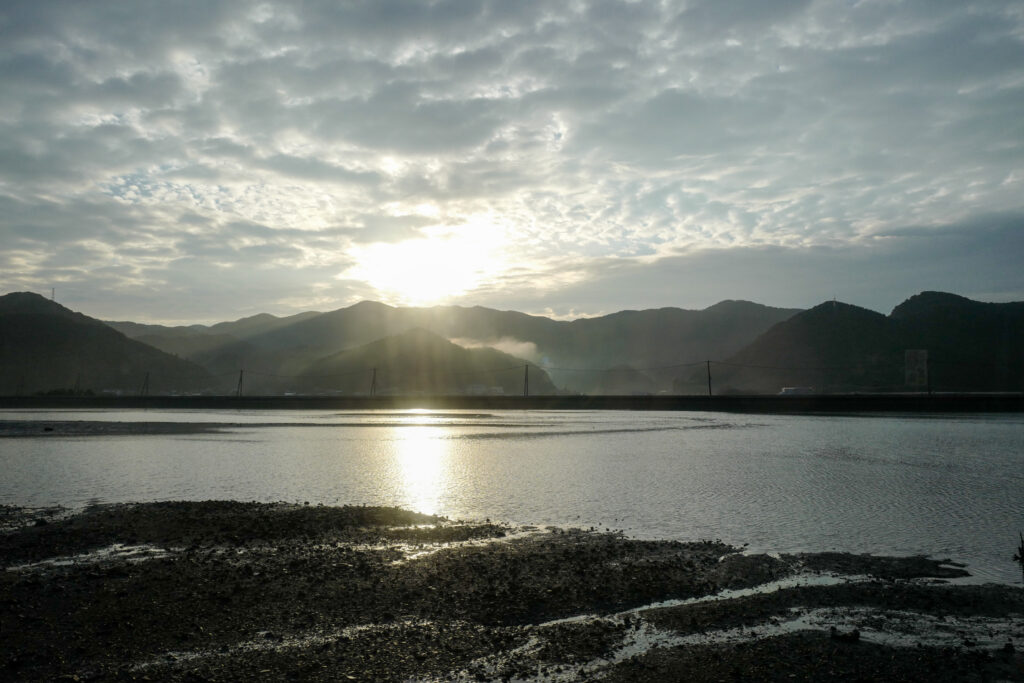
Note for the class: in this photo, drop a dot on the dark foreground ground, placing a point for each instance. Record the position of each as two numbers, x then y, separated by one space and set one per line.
244 591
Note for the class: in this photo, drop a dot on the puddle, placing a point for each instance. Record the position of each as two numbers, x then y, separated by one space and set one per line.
268 641
892 628
798 580
415 552
13 518
115 552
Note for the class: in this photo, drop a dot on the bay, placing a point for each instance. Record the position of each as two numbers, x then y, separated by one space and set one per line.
948 486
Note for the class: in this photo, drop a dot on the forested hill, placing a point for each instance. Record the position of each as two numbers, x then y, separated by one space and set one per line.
836 348
624 352
45 347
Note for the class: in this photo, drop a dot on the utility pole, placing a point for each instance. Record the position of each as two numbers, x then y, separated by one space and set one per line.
373 383
526 380
238 392
144 391
708 363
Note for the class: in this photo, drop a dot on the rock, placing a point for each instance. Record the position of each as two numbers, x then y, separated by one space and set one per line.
851 637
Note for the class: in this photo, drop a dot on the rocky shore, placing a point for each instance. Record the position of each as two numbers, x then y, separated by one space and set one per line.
219 591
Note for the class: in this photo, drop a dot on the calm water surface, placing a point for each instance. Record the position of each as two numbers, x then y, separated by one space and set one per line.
949 486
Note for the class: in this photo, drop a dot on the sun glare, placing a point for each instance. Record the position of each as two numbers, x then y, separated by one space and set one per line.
422 456
429 270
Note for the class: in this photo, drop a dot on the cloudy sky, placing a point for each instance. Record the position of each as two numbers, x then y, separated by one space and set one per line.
197 161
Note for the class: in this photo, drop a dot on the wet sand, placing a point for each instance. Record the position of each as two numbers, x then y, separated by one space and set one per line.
248 591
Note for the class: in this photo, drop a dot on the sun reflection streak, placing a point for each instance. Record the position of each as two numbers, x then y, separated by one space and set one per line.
422 454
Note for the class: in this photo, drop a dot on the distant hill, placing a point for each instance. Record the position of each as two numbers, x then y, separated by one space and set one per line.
623 380
579 353
421 362
46 347
655 341
972 345
189 340
835 347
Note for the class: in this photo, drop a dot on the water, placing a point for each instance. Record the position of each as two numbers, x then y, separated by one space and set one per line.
948 486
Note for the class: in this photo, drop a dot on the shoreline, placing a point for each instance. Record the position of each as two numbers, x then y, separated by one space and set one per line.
938 402
224 590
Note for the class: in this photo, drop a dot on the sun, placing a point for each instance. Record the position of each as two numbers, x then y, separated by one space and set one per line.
443 264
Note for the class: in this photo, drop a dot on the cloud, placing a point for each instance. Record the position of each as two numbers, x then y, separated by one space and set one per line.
976 258
162 148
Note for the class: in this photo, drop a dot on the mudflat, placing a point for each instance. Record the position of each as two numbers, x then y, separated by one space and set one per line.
219 590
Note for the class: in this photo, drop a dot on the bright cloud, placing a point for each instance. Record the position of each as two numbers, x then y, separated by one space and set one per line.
443 264
211 160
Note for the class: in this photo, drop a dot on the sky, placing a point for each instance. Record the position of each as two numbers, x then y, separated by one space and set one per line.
187 162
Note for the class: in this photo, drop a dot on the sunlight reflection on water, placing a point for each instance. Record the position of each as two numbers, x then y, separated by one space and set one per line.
946 485
421 453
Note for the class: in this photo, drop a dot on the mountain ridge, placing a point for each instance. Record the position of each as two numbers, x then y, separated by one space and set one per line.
47 347
752 348
838 348
631 339
420 361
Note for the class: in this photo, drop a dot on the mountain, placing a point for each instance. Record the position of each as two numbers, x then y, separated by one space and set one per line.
655 342
836 347
623 380
972 345
833 347
47 347
421 362
190 340
187 345
576 353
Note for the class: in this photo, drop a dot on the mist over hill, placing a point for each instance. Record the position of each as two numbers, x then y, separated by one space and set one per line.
832 348
421 362
625 352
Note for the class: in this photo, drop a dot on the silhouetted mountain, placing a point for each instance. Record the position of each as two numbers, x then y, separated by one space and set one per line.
832 347
187 345
418 361
46 347
654 342
261 323
337 330
623 380
835 347
191 340
138 330
578 353
971 345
